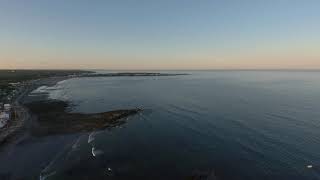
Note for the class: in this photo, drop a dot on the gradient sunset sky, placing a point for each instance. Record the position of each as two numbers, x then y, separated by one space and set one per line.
160 34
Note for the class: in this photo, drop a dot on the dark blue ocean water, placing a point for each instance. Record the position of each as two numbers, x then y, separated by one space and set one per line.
238 125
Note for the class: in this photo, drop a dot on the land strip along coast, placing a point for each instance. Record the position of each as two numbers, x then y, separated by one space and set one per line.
39 116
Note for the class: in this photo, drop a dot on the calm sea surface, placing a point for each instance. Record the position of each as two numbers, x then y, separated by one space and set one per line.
238 125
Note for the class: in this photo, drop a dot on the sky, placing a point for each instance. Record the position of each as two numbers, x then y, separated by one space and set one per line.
159 34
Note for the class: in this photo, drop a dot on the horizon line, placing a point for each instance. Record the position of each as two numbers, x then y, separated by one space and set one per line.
213 69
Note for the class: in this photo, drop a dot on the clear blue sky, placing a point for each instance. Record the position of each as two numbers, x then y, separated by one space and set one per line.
162 34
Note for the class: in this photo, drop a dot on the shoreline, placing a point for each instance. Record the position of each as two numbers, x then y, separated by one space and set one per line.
24 118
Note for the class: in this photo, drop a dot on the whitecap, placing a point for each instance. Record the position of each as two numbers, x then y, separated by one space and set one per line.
96 152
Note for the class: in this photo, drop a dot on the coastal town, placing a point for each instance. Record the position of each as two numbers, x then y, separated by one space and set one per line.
9 95
15 85
5 114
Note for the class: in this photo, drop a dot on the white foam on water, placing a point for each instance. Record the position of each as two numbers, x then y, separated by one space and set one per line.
76 145
41 89
91 137
58 92
61 82
44 177
96 152
55 92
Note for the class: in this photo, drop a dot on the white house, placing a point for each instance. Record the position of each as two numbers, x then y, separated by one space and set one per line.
7 107
4 118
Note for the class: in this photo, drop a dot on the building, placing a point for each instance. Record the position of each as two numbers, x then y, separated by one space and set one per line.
4 115
7 107
4 118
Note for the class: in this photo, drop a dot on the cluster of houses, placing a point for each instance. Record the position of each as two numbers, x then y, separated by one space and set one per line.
14 89
5 110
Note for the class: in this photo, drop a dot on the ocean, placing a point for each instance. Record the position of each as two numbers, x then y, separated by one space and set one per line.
237 125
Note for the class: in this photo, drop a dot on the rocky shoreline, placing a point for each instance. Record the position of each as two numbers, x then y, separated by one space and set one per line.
53 118
62 122
20 125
